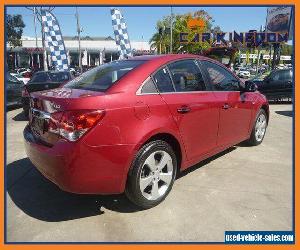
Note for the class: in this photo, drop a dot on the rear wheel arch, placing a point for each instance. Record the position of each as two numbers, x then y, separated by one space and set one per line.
173 142
265 107
169 138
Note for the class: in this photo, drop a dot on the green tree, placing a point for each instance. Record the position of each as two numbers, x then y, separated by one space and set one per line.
286 50
161 40
14 29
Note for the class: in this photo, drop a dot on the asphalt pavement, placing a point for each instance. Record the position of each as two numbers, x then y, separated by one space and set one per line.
243 188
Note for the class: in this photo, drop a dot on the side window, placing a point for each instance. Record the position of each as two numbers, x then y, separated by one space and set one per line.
220 78
186 76
148 87
163 81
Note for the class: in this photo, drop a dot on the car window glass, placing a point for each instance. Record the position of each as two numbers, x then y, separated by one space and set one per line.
220 78
103 77
40 77
149 87
163 81
186 76
59 76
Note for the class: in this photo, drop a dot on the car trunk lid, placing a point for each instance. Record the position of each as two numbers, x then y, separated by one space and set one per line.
49 106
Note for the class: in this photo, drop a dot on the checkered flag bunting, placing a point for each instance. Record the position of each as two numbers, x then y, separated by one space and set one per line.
121 34
54 41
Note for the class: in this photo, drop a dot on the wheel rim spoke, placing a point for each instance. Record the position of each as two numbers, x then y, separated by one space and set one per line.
165 159
150 162
154 191
166 177
145 182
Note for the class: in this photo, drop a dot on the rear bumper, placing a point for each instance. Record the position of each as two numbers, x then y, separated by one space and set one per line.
79 168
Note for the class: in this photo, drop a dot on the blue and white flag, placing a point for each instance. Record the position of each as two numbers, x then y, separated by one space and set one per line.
54 40
121 34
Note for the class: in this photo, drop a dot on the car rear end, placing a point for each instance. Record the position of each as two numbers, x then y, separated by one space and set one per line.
72 140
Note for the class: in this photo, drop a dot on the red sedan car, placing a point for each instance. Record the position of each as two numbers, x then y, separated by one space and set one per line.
131 125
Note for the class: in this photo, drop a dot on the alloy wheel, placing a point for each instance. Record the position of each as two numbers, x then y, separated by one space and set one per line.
260 127
156 175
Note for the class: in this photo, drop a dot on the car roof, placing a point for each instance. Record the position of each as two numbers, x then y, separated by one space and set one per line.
166 57
52 71
134 78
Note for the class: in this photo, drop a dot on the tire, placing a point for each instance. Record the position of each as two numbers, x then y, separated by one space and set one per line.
256 138
149 184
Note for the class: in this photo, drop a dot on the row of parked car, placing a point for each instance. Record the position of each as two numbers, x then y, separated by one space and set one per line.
245 71
18 91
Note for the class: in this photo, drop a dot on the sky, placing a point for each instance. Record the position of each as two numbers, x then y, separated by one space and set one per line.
141 21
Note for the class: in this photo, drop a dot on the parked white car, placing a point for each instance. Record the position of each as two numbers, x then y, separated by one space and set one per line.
244 73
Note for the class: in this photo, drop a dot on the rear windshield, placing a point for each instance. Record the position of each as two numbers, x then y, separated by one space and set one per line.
104 76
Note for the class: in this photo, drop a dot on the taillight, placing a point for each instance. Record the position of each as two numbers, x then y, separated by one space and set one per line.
25 92
73 124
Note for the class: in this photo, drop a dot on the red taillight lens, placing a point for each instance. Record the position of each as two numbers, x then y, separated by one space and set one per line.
25 92
74 124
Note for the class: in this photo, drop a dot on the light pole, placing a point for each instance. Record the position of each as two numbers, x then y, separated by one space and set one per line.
38 14
78 34
171 32
36 38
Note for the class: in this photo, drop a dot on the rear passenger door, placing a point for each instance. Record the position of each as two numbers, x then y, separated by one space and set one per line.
182 86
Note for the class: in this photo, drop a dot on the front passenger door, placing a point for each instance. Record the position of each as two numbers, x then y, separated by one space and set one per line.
235 107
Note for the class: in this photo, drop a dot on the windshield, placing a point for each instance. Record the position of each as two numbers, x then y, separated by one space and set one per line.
104 76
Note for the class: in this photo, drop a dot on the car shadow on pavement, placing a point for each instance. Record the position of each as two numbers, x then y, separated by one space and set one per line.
41 199
288 113
20 117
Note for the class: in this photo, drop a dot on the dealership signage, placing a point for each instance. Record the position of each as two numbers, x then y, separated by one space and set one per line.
256 38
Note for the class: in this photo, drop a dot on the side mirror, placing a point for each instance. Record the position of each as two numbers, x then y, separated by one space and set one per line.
250 86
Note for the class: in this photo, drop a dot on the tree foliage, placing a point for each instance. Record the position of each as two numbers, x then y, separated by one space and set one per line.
286 50
161 40
14 29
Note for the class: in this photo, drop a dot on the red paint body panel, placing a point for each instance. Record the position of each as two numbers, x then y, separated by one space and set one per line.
99 161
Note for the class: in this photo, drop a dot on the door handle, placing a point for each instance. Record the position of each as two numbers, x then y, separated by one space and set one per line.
226 106
183 109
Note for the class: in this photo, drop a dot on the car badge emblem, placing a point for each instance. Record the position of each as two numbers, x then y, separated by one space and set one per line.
55 106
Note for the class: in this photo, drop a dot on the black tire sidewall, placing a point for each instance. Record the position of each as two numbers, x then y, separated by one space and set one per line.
253 140
132 190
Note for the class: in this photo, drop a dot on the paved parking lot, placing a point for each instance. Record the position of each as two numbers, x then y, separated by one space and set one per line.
243 188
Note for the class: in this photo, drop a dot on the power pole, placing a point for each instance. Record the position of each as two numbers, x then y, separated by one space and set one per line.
36 38
258 55
171 32
78 34
44 46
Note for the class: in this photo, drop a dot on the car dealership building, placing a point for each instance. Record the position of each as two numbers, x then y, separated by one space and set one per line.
95 51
